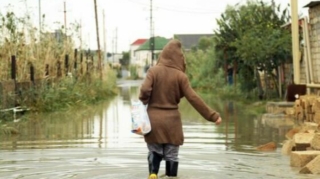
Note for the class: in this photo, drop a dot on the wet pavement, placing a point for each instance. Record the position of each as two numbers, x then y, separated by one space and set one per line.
96 142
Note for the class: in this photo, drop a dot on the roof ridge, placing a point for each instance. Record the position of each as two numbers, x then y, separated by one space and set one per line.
139 41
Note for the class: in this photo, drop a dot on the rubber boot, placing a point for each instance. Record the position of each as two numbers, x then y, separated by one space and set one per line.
154 160
172 168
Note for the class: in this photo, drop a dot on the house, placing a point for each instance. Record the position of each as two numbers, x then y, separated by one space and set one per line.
190 41
143 53
133 47
58 36
314 46
287 69
113 59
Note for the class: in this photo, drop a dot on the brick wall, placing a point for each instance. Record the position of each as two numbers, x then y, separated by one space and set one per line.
314 15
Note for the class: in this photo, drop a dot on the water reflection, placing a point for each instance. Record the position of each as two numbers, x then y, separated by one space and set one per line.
96 142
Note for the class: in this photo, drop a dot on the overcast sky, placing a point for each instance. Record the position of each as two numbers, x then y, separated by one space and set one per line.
128 20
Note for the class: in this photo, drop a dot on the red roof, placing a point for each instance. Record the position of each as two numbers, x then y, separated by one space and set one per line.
139 41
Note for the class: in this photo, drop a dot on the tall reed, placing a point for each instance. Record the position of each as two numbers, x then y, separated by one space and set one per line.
58 85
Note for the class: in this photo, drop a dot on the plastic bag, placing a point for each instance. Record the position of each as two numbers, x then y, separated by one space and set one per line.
139 118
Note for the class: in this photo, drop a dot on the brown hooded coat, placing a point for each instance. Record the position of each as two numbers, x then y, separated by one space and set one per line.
165 84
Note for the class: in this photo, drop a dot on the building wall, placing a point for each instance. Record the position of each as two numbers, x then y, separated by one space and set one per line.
314 15
114 59
133 57
143 57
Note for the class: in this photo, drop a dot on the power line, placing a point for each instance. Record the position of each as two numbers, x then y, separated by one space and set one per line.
39 2
179 9
194 12
186 8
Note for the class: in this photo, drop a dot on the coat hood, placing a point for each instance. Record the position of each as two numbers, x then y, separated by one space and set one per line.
172 56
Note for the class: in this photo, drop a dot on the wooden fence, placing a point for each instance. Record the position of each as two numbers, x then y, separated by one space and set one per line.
10 90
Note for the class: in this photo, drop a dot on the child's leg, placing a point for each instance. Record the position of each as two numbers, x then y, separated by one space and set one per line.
171 153
154 158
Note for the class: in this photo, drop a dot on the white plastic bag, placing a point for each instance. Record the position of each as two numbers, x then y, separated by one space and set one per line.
139 118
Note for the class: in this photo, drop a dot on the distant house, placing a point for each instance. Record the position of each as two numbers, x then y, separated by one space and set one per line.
113 59
133 47
143 53
57 36
190 41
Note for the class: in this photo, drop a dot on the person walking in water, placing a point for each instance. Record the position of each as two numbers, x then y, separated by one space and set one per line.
164 86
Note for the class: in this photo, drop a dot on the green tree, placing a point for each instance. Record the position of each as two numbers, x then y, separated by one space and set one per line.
251 36
205 43
125 60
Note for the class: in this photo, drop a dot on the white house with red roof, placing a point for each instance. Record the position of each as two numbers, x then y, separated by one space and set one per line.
133 47
141 54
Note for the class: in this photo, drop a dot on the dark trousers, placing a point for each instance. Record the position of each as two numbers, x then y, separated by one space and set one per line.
168 151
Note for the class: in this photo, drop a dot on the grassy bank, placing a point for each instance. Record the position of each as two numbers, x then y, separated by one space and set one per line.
70 95
71 92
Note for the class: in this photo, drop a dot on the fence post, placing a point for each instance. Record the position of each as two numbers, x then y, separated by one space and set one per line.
92 64
87 60
47 70
87 66
81 60
13 67
13 77
66 64
32 73
75 59
59 71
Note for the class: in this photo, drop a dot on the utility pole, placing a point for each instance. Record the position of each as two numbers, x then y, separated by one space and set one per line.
65 25
152 40
114 44
98 39
104 38
295 41
80 35
39 51
113 47
64 34
39 19
65 17
39 29
116 41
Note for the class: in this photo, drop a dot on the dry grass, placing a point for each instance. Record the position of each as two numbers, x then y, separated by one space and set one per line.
19 38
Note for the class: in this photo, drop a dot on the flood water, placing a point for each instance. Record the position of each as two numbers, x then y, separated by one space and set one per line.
96 142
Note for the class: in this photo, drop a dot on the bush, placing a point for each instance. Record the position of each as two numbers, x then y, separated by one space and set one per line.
134 72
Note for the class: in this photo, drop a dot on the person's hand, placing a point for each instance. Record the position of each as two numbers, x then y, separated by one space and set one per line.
218 121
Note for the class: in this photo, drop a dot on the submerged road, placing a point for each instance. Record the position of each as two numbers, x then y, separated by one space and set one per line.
96 143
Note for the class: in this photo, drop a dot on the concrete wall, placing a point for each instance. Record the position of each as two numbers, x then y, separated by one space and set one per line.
303 75
133 58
